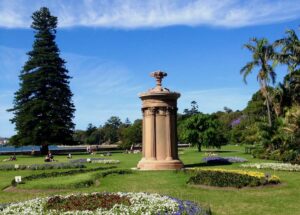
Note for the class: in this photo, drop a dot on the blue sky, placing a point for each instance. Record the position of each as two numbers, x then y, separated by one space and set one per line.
112 46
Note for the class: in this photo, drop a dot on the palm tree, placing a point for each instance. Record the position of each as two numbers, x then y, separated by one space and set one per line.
277 96
290 55
262 54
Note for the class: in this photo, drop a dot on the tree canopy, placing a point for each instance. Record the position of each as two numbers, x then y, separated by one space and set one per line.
43 108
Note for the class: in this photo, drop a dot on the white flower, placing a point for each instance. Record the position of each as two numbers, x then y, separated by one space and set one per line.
274 166
141 203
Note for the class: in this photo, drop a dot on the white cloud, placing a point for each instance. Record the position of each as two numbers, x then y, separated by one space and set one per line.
101 88
131 14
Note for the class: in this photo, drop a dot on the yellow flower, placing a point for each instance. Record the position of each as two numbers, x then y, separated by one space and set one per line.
259 175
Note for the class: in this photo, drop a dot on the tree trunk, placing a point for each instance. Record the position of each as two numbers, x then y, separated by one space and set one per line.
44 149
269 112
265 89
199 147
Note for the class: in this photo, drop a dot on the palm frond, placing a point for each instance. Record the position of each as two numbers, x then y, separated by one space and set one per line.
247 69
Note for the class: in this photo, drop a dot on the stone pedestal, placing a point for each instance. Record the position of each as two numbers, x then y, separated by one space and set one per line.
159 107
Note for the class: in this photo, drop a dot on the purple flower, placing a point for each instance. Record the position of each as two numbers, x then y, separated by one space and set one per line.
223 160
191 208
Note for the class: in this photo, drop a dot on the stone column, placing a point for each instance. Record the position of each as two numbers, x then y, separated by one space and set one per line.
168 134
159 128
143 134
152 134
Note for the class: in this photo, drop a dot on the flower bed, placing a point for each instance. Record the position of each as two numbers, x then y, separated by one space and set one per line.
106 203
101 172
231 178
223 160
96 160
42 166
274 166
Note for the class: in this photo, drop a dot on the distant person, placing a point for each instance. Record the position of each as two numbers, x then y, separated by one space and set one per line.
32 152
88 149
69 156
131 148
47 159
50 155
13 158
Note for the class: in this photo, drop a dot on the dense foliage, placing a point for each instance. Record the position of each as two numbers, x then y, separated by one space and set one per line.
216 160
200 129
7 167
43 109
279 140
231 178
113 131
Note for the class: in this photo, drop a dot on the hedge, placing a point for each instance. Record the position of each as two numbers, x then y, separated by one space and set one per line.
231 178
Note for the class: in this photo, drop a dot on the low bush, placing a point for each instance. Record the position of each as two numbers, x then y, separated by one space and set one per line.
230 178
96 160
7 167
215 160
57 174
91 181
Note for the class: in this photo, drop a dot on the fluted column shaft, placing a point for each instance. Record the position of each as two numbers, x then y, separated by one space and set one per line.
153 134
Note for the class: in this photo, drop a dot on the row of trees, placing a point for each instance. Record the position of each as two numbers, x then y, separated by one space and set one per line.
113 131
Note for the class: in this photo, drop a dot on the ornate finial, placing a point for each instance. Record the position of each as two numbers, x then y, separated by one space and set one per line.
158 75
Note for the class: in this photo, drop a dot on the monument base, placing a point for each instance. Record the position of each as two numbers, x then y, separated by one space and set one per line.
160 164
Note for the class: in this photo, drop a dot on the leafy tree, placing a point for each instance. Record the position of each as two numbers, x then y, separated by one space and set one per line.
111 129
43 109
262 54
131 135
227 109
79 137
96 137
127 122
202 130
90 129
290 55
194 109
229 120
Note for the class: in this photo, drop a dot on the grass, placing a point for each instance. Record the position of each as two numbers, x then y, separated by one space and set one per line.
282 199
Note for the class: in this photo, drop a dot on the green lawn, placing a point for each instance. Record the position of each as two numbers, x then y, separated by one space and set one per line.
282 199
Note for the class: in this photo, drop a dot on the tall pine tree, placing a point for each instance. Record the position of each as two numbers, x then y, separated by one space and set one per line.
43 108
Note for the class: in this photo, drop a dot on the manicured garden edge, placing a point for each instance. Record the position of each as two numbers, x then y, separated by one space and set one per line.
57 174
12 167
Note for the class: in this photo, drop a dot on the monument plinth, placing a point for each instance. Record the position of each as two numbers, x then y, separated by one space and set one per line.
159 107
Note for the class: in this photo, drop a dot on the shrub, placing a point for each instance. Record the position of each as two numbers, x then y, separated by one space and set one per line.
96 160
91 181
57 174
7 167
231 178
215 160
223 160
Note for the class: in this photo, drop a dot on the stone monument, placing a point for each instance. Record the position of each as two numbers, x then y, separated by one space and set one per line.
159 107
